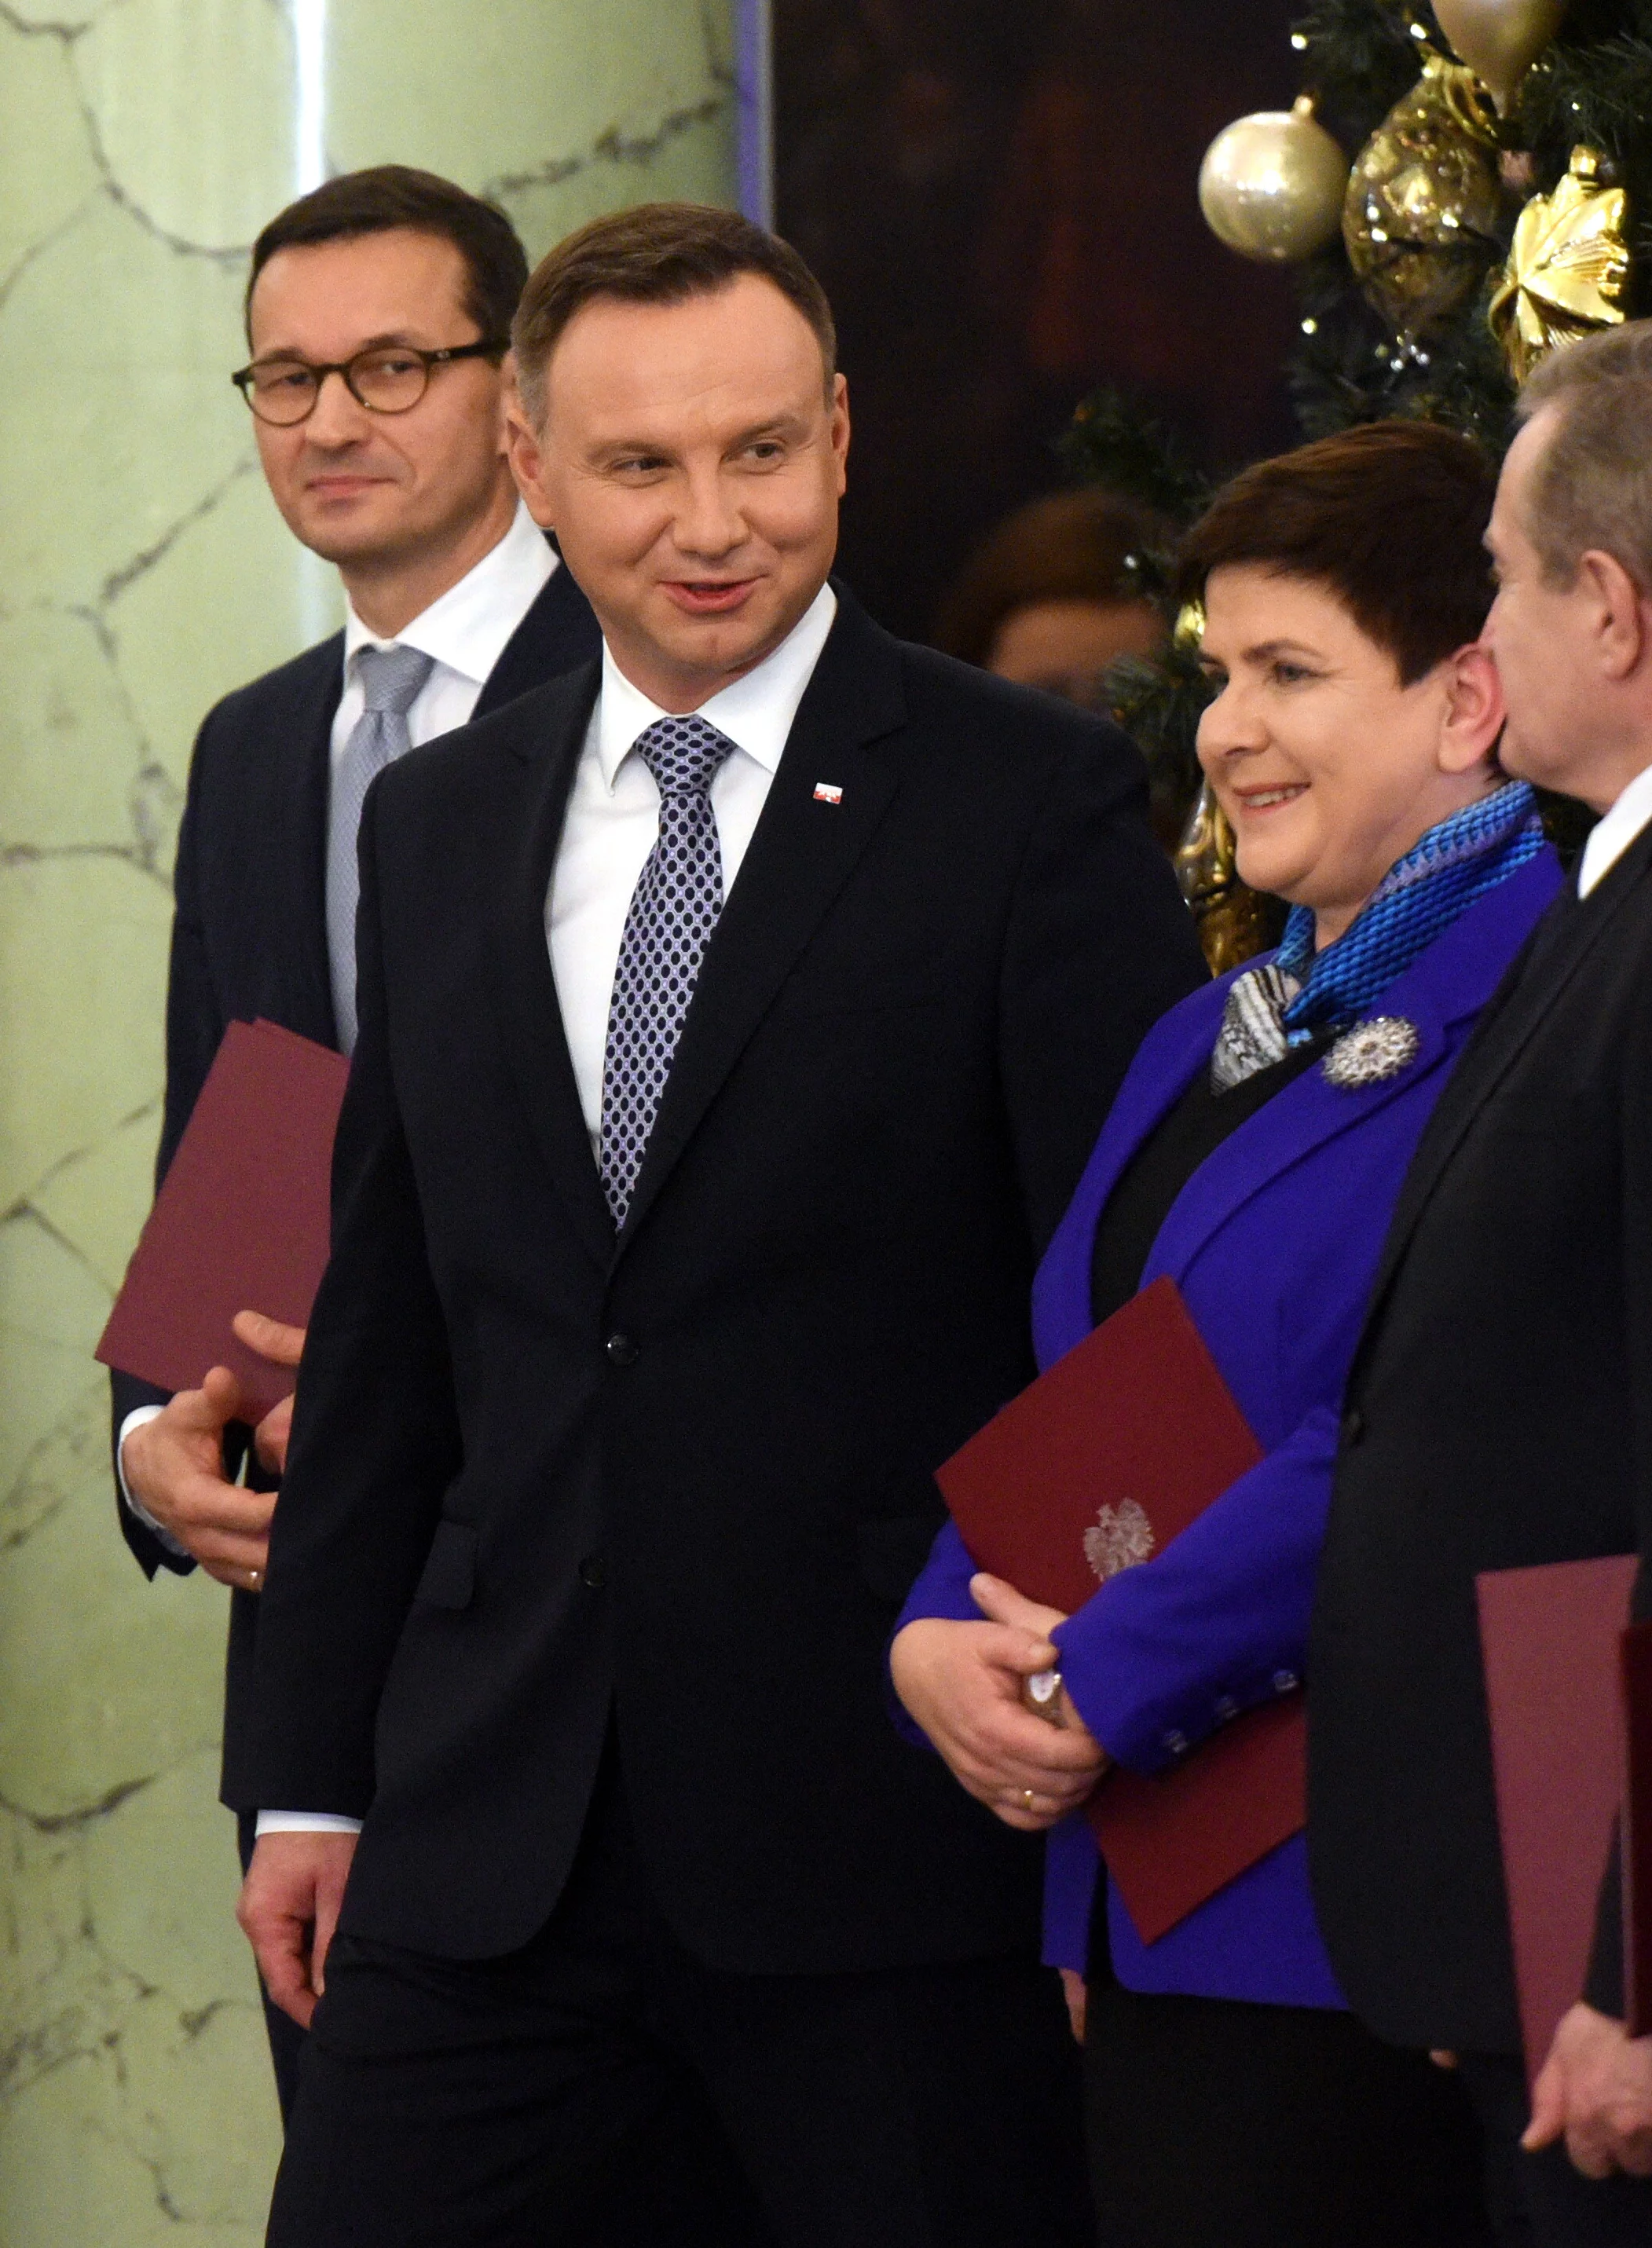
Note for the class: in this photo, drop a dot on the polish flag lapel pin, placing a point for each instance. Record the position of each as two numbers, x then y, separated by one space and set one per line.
825 794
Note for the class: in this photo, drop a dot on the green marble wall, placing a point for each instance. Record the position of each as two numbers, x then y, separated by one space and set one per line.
142 573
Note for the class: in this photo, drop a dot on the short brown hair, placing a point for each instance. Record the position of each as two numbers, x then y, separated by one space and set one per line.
1388 517
1070 546
1592 484
657 254
388 197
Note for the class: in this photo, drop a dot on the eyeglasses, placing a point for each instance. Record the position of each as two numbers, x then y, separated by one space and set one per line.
389 378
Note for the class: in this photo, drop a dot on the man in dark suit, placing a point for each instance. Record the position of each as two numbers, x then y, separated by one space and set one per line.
677 1240
1499 1410
391 464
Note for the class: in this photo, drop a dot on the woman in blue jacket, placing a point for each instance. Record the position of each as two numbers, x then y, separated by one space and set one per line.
1254 1153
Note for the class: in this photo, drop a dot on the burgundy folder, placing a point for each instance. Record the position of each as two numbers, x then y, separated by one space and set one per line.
1549 1637
241 1222
1637 1828
1099 1464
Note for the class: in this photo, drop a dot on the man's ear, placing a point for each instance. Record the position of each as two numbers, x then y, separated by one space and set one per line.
1620 614
1474 710
527 459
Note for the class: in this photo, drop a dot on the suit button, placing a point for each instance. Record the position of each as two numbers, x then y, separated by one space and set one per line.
621 1350
593 1572
1176 1744
1353 1426
1226 1710
1285 1681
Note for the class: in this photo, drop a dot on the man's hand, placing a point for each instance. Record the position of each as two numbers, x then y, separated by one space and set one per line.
962 1683
173 1465
1076 1991
1595 2087
282 1346
288 1907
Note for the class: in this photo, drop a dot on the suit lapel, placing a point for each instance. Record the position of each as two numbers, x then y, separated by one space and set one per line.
557 635
800 857
536 1046
293 838
1499 1040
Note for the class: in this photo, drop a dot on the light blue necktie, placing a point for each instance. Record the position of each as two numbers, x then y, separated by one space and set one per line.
390 680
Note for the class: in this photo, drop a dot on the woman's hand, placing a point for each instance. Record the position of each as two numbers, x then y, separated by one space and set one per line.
963 1684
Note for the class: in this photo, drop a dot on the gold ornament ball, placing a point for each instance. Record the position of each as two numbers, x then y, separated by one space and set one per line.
1499 39
1271 185
1424 201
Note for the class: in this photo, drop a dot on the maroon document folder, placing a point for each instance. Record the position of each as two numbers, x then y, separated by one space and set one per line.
1637 1827
1550 1638
1097 1465
241 1223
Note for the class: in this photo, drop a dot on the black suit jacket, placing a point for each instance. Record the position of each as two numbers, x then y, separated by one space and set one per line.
538 1473
1499 1415
250 934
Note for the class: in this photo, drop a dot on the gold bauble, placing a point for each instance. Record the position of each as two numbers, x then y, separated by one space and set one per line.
1271 185
1569 267
1499 39
1234 922
1421 217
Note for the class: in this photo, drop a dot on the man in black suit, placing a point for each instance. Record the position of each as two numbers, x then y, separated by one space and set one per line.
1498 1411
392 465
676 1240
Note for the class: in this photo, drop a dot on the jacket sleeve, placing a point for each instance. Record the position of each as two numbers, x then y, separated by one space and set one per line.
1218 1622
1099 945
375 1441
195 1030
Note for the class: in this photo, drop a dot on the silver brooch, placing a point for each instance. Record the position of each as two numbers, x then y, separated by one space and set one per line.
1120 1537
1372 1051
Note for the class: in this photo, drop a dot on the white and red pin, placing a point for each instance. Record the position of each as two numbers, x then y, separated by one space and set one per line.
825 794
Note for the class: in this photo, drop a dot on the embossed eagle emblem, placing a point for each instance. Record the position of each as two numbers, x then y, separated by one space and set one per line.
1120 1537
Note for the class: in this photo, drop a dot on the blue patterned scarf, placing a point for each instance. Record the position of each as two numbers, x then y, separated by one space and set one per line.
1304 993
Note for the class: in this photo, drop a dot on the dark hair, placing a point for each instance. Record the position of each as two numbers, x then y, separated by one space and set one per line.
1068 546
391 196
657 254
1388 518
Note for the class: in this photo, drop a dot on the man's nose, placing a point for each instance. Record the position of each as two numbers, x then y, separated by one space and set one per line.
709 522
337 416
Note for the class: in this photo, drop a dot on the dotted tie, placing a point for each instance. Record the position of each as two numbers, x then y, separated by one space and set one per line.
674 910
390 680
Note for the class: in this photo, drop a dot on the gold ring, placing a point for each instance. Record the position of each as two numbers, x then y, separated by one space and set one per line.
254 1576
1026 1797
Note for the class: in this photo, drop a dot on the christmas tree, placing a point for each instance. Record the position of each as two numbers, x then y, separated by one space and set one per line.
1461 188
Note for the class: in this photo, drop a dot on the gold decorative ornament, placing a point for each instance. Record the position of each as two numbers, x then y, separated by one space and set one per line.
1271 185
1569 267
1499 39
1421 217
1232 921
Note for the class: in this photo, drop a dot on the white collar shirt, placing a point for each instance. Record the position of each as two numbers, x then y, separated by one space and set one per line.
1613 833
464 630
612 822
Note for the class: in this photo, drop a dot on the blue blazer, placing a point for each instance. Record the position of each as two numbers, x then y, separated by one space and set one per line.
1274 1244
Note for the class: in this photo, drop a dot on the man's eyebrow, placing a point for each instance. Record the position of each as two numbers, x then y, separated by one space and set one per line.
372 342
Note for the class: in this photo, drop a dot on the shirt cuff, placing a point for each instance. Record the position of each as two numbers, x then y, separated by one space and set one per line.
137 1419
306 1822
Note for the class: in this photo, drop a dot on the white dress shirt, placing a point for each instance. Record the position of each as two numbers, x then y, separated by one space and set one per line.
1613 833
611 824
465 630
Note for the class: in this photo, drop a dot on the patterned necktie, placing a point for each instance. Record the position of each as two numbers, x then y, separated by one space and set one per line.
674 910
390 680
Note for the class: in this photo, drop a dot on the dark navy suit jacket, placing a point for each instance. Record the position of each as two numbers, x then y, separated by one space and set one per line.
1274 1244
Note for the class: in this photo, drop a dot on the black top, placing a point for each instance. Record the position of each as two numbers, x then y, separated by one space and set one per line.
1185 1136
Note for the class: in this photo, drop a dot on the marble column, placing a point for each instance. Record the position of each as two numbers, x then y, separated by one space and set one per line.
143 573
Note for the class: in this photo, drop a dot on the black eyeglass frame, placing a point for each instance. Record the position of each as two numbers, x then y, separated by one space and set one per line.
484 348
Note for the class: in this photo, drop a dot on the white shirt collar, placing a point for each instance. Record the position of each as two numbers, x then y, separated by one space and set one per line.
1613 833
755 713
466 628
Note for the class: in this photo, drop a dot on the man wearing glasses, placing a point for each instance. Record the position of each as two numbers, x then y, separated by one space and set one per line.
378 313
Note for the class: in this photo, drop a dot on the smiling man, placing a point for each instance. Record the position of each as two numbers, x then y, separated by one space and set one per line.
378 313
735 1016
